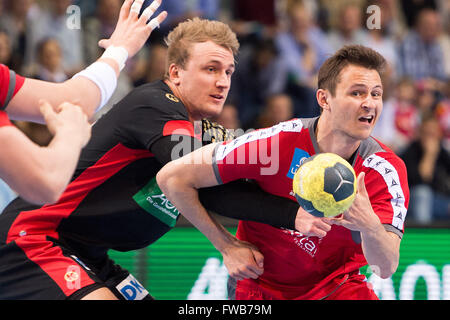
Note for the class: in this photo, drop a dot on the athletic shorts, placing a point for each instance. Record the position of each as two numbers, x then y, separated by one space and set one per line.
39 268
350 289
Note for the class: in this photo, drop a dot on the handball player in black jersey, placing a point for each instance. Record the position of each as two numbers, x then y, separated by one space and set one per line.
59 251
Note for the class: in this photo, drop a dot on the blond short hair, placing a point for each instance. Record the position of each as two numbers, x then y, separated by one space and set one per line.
197 30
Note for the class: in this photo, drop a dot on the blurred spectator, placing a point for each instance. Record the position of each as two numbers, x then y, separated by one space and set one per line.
442 112
349 29
229 117
100 26
253 18
444 40
278 108
88 7
384 129
421 55
411 9
182 10
5 49
382 39
331 9
304 46
154 66
393 24
260 72
49 66
52 22
428 166
400 119
18 24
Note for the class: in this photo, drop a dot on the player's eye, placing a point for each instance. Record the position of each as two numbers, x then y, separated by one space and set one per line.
377 94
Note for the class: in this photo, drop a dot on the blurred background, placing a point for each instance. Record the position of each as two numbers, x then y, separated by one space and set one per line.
283 44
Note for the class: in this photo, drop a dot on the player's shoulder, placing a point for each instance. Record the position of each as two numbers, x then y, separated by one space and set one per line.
290 126
155 95
4 75
373 153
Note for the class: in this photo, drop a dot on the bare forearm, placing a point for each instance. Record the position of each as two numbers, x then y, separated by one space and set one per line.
381 250
188 204
38 174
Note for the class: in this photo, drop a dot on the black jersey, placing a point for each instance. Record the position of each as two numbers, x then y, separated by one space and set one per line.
114 202
101 207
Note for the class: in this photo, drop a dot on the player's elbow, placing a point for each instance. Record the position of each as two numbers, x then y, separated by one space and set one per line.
45 185
389 271
386 271
165 178
47 190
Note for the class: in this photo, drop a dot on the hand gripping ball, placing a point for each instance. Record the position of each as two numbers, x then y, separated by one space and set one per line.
325 185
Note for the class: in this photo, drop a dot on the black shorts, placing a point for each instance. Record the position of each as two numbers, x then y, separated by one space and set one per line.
39 268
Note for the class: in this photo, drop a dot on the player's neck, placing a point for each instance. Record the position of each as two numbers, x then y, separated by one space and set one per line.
176 92
334 141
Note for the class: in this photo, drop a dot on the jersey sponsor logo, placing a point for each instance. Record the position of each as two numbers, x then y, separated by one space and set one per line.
299 157
72 277
308 244
171 97
392 180
131 289
152 199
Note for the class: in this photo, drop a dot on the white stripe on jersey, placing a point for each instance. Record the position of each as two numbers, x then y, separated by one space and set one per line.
223 150
392 180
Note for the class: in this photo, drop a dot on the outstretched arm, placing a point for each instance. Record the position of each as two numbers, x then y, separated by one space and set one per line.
95 85
179 180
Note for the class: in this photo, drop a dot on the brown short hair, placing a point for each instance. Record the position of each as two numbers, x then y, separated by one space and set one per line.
328 76
197 30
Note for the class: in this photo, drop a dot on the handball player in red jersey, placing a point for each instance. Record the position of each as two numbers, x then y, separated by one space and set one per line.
38 174
318 261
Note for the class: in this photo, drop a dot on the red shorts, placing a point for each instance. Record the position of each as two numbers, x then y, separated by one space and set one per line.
351 289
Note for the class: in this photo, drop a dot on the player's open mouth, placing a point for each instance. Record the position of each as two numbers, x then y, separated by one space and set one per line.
367 119
217 96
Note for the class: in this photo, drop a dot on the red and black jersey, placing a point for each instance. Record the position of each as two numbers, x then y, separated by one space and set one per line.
100 208
113 201
10 84
296 266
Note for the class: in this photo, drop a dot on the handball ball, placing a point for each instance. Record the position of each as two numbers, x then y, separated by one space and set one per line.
325 185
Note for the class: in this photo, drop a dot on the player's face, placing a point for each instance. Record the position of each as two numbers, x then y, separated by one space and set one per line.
205 81
358 102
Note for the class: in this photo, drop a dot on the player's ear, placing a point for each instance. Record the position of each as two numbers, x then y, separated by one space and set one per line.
174 74
322 97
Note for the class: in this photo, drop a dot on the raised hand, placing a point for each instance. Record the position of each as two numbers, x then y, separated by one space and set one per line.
132 31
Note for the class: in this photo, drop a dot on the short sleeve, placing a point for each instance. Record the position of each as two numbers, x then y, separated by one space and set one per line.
387 185
4 120
246 157
10 84
146 115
